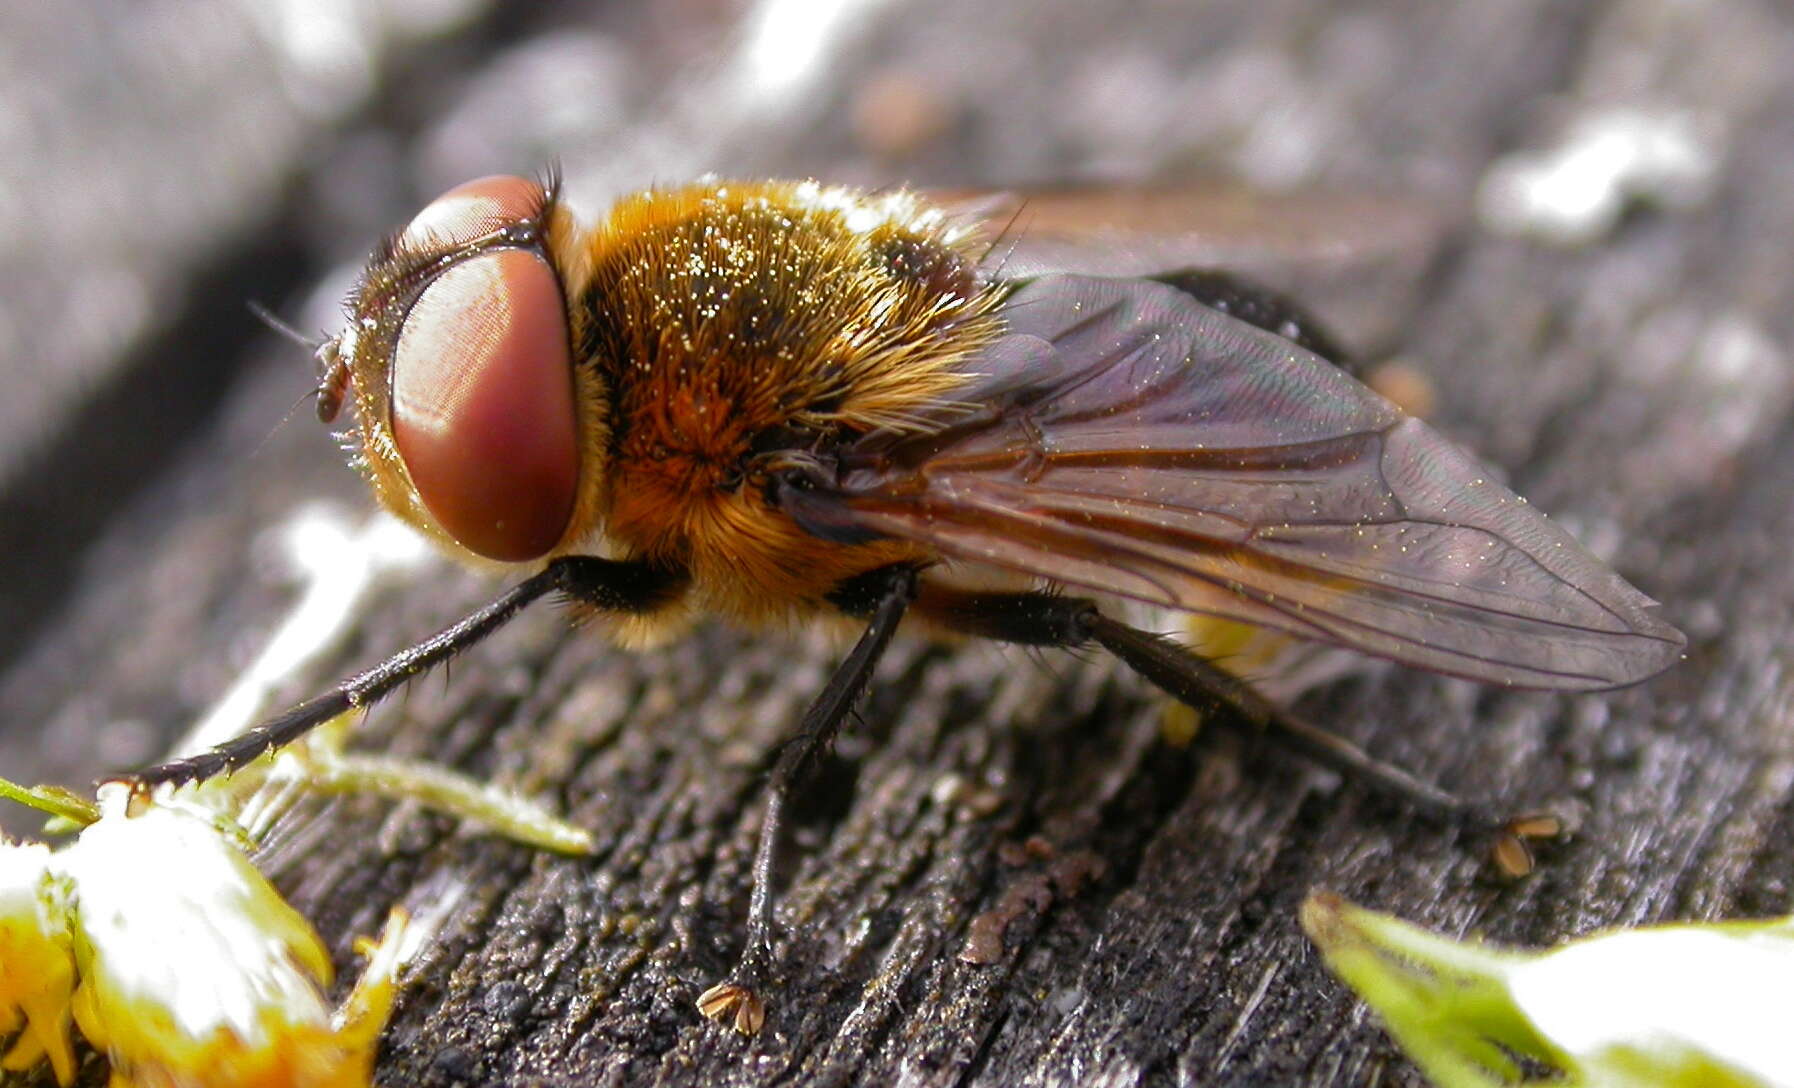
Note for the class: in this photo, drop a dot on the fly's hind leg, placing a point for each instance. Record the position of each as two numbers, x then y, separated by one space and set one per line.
1196 681
1261 306
1045 619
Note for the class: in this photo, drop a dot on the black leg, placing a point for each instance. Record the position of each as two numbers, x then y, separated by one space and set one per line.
1200 682
1044 619
883 595
601 584
1256 304
1197 681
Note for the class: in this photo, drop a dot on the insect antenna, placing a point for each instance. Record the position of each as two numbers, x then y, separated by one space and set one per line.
310 344
276 324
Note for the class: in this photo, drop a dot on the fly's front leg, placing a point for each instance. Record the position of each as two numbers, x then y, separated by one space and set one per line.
882 596
599 584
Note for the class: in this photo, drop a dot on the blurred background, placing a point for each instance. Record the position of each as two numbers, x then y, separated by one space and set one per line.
1587 255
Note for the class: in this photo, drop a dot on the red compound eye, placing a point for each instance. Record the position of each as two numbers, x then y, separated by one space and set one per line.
473 209
482 400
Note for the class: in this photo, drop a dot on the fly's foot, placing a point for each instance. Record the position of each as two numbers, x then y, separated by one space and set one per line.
735 1005
1512 852
735 1002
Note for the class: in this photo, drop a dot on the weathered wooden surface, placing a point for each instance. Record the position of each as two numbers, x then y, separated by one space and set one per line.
1637 387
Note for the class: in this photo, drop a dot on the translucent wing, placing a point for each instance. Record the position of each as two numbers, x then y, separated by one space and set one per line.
1355 259
1126 439
1111 231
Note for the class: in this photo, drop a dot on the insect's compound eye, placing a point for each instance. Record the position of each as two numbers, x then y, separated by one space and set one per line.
473 209
483 405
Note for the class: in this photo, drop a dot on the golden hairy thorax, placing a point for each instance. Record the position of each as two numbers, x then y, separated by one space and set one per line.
728 321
